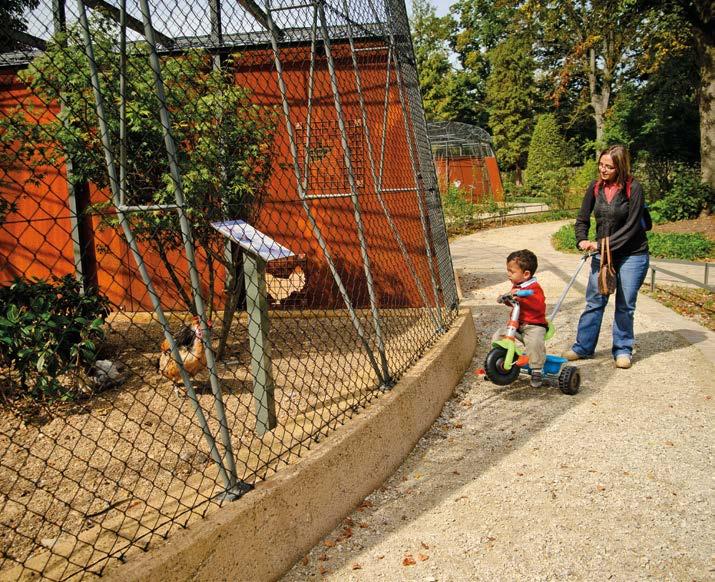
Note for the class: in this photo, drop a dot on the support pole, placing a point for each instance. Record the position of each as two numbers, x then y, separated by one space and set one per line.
302 194
131 241
171 151
347 155
254 269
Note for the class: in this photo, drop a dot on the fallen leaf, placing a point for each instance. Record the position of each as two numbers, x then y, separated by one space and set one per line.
323 570
366 503
408 560
458 425
323 557
356 566
424 545
600 488
348 521
329 543
363 525
304 561
422 557
456 473
380 557
520 474
669 443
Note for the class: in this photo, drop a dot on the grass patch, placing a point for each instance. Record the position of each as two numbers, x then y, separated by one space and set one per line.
663 245
693 303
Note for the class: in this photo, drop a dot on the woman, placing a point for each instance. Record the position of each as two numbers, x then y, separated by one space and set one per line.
617 202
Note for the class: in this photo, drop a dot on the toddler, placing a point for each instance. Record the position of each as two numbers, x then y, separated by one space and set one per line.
520 269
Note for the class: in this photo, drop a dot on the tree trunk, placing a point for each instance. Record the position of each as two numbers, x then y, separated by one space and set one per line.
706 100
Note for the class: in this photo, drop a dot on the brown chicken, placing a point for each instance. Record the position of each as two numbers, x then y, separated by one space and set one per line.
191 349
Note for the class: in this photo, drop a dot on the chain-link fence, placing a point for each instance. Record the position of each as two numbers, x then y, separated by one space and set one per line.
220 238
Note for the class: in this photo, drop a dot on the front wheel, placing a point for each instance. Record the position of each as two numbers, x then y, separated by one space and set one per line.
569 380
494 368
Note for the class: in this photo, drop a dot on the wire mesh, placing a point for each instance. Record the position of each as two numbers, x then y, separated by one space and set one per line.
153 368
465 160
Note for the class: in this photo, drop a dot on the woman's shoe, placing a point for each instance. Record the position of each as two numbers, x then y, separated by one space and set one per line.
623 362
571 356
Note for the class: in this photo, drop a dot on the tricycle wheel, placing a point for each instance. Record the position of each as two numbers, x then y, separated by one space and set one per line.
569 380
494 368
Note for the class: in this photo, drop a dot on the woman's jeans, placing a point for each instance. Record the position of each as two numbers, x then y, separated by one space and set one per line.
630 274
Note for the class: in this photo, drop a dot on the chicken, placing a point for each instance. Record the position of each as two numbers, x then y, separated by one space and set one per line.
191 349
280 289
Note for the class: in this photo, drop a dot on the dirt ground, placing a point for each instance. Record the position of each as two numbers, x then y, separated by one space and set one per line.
106 475
703 224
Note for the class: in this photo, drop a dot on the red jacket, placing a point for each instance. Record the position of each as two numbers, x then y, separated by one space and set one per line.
533 307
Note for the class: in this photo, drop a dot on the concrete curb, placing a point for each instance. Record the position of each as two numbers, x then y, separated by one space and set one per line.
263 535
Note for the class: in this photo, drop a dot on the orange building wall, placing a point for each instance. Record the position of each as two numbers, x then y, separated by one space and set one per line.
35 241
478 178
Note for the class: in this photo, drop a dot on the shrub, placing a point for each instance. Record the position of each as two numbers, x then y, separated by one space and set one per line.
584 175
547 151
687 197
47 330
688 247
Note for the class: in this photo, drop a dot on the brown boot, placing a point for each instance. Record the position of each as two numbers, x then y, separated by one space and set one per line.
623 362
571 356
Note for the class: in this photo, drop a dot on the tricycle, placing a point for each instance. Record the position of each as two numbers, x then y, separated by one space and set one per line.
507 360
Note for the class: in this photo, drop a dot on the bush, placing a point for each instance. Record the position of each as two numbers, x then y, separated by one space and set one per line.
687 197
584 175
688 247
47 330
547 152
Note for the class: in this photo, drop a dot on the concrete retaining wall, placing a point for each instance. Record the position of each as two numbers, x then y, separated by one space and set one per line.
261 536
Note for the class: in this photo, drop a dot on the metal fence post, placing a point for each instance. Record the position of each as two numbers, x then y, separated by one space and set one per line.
254 269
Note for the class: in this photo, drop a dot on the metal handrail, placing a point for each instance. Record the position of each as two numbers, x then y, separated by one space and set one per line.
704 285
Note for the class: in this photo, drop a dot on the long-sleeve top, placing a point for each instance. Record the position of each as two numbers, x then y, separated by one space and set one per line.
619 219
532 308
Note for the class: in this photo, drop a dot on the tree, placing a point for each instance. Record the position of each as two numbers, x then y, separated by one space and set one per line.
510 101
429 34
590 39
479 25
11 15
223 140
547 165
694 19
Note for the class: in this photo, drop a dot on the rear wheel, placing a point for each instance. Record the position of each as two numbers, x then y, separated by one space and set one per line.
569 380
494 368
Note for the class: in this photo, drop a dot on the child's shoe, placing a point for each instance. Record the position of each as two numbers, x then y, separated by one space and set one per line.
536 379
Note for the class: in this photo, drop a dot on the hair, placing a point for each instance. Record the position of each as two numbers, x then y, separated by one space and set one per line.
526 260
621 159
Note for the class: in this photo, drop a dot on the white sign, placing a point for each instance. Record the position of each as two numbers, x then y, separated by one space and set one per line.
252 240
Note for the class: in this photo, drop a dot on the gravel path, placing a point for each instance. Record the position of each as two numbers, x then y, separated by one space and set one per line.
516 483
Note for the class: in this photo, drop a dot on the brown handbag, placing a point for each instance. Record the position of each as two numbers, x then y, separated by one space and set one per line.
606 273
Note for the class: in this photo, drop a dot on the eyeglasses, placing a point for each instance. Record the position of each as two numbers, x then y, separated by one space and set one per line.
606 167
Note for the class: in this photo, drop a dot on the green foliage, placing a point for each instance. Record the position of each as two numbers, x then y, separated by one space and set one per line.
223 138
510 100
11 15
430 34
48 330
457 209
688 247
584 175
685 246
564 239
687 197
547 156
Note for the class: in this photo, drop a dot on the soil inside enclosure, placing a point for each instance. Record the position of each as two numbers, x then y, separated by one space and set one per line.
103 477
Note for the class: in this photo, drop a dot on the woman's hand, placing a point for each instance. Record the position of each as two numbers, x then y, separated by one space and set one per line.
587 245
